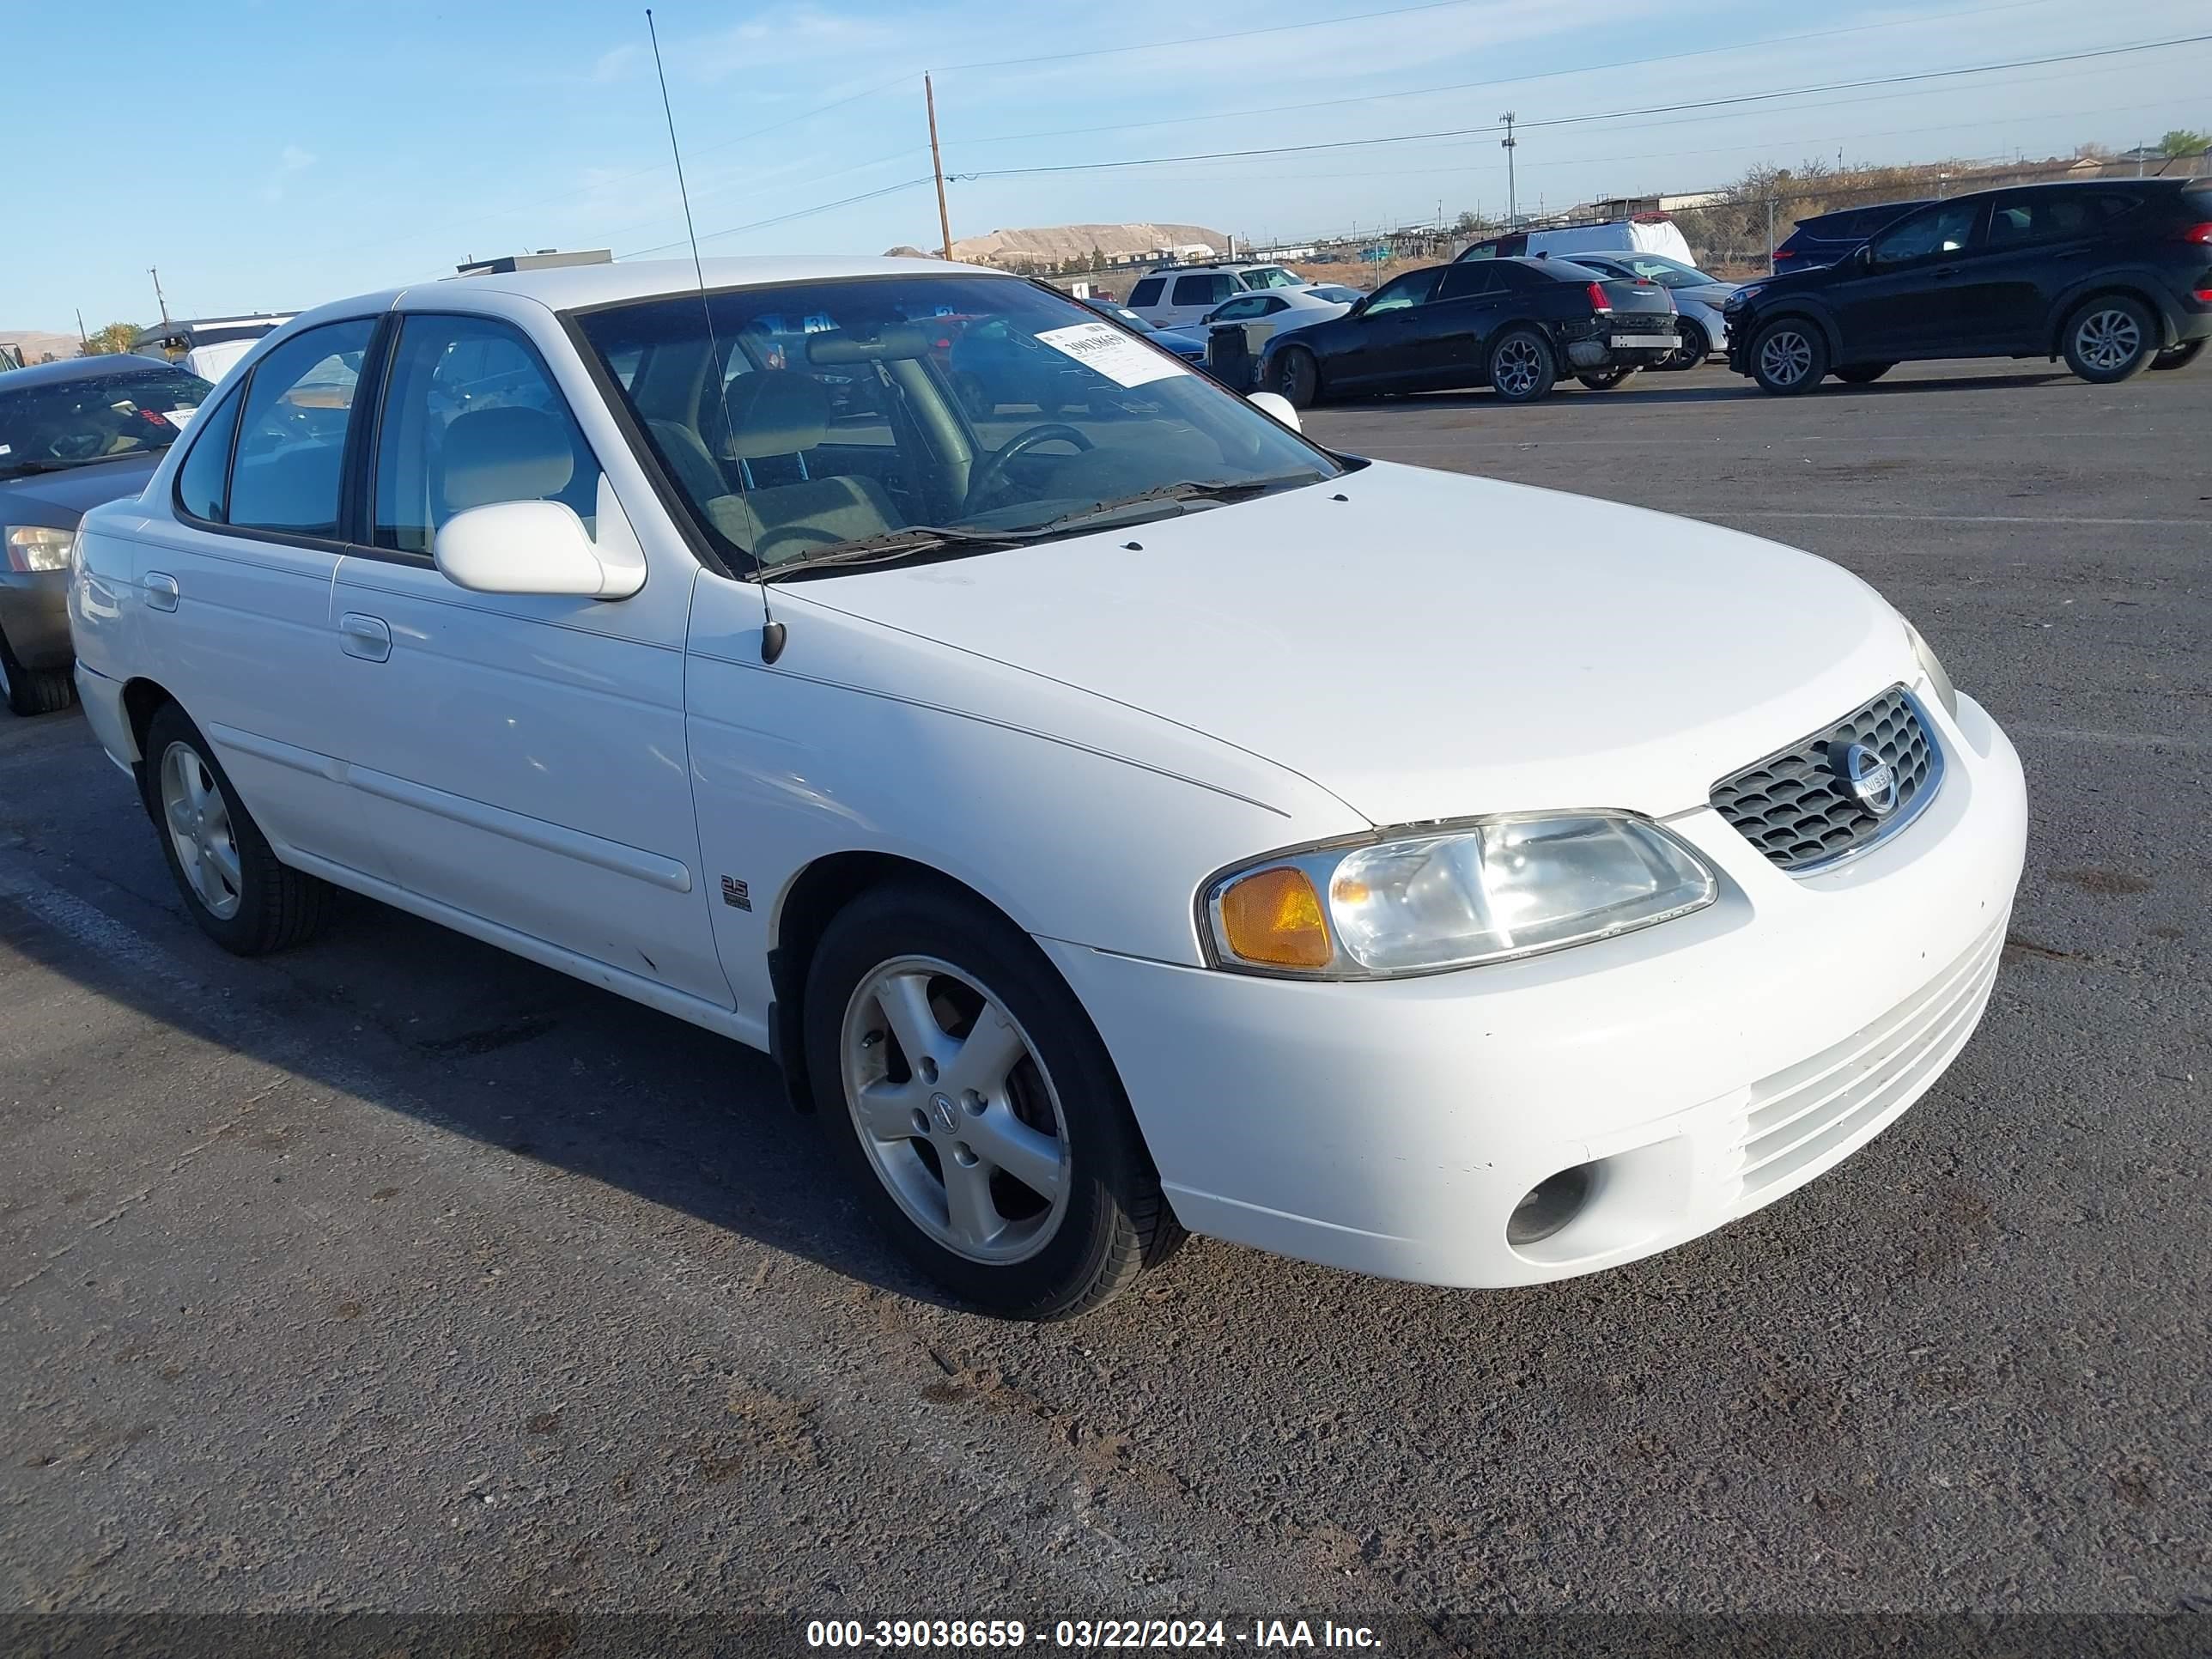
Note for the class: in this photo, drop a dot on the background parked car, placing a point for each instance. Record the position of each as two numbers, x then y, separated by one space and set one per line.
1177 295
2113 275
1646 233
1512 324
1698 298
208 346
72 435
1189 344
1827 237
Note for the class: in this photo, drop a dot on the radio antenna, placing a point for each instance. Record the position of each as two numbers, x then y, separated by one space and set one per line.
772 632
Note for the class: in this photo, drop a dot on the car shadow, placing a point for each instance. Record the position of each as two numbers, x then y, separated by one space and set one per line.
412 1018
1695 386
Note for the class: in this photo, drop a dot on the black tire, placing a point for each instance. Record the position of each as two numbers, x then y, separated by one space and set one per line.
2178 356
1863 373
1522 368
1605 379
2110 339
1294 373
1116 1221
1790 356
278 907
34 690
1695 347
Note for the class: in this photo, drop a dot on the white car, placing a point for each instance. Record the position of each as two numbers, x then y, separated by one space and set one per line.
1176 296
1137 821
1278 310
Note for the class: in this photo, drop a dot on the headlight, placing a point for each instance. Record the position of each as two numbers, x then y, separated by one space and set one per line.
1740 298
35 547
1480 892
1932 665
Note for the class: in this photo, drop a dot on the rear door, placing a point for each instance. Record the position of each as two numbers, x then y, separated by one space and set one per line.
1194 293
2039 243
1472 300
1905 299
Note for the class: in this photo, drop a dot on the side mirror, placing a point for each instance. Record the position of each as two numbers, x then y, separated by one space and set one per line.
1275 405
531 547
1358 307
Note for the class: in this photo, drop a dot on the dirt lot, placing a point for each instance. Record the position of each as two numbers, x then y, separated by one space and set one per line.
395 1274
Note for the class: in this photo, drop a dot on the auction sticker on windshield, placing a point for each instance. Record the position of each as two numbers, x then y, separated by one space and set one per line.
1121 360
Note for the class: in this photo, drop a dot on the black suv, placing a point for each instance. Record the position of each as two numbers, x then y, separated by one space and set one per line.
1515 325
1826 238
2114 275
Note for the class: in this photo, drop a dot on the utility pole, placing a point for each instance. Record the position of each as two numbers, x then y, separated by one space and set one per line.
83 339
1512 196
158 300
937 161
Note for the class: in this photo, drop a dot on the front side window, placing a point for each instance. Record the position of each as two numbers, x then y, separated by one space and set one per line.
1240 310
205 474
1946 228
1413 289
1039 412
292 431
472 418
53 425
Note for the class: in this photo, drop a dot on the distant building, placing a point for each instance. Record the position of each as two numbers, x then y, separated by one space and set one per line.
544 260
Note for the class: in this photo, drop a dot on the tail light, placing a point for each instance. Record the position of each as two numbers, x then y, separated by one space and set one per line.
1782 253
2199 234
1598 301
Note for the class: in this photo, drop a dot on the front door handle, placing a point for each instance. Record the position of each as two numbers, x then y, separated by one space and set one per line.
367 637
1945 270
160 591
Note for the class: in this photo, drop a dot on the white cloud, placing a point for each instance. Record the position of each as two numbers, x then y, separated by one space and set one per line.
291 162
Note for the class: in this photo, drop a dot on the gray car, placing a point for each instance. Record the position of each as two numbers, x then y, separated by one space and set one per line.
1697 297
72 435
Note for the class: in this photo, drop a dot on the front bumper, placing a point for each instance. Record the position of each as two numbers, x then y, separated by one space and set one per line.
1707 1067
34 615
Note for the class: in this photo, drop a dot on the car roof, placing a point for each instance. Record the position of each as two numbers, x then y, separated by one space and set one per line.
83 368
572 287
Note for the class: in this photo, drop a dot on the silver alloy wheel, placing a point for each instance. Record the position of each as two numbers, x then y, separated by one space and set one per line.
1518 368
956 1111
1786 357
2108 339
199 820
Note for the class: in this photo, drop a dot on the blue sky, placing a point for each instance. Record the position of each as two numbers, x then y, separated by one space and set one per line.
277 154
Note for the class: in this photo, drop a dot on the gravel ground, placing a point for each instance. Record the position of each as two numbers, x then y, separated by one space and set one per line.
394 1274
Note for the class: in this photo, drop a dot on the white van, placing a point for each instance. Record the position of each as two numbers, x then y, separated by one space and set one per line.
1646 233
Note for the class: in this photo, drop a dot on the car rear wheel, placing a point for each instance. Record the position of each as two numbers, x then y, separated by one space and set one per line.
1522 368
962 1083
1605 379
1695 347
2178 356
1296 375
1863 373
34 690
242 895
2110 339
1789 357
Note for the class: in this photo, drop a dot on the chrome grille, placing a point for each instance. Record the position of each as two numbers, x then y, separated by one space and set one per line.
1795 807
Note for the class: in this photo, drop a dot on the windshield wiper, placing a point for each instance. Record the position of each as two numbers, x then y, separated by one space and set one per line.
27 467
932 538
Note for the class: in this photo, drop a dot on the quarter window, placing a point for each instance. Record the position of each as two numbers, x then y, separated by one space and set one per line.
299 408
472 418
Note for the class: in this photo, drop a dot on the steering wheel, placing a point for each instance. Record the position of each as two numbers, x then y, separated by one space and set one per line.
992 473
78 446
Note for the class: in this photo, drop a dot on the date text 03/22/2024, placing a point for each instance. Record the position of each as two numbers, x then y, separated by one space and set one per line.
1089 1634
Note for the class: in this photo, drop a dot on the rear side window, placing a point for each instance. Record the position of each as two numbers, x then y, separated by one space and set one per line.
1469 281
202 479
1147 293
1197 291
2045 215
292 431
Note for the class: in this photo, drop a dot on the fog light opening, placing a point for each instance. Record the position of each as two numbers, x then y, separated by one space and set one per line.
1550 1204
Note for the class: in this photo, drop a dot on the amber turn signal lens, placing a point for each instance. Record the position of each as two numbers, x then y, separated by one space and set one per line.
1272 918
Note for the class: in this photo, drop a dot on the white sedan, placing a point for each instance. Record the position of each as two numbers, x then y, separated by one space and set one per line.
1135 821
1278 310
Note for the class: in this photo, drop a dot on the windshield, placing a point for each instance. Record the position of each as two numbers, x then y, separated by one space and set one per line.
96 417
1270 276
809 417
1657 268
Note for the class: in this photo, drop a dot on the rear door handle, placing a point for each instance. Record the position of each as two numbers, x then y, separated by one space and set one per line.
160 591
1945 270
367 637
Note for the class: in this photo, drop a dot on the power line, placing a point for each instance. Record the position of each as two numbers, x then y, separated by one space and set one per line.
1203 40
785 218
1578 120
1518 80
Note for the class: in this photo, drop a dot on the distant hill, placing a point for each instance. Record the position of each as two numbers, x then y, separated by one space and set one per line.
1054 243
37 345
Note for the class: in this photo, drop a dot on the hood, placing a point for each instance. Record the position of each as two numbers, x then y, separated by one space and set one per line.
59 500
1428 646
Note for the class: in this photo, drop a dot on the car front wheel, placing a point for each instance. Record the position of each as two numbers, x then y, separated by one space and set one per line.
1522 368
1295 376
32 690
962 1083
1789 357
2110 339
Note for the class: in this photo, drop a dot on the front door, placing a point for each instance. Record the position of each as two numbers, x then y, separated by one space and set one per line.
523 757
1388 335
1906 299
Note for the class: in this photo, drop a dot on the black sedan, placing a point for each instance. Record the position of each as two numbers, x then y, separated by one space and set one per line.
2114 275
72 435
1514 325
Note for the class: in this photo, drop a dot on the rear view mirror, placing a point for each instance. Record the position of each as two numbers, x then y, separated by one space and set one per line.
529 547
1275 405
